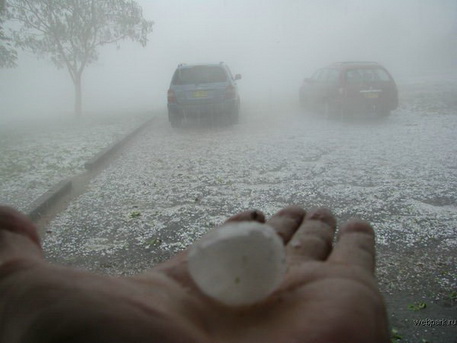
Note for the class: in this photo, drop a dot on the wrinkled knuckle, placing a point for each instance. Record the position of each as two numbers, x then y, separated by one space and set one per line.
322 214
293 210
358 226
13 267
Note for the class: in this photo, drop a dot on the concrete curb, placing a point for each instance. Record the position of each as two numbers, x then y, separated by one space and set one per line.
99 158
42 206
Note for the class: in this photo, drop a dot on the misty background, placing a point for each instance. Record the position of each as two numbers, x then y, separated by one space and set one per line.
274 44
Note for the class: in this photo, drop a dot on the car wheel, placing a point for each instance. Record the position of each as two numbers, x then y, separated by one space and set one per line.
332 110
175 121
302 101
235 115
328 110
383 113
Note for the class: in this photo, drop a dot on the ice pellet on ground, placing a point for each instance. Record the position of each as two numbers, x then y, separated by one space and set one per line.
239 263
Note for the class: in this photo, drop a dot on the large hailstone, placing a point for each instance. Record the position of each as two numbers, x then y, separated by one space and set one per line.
238 263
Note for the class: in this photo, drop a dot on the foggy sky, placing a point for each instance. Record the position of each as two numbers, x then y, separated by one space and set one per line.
274 44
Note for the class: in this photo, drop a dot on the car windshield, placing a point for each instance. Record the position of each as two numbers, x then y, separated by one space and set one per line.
363 75
199 74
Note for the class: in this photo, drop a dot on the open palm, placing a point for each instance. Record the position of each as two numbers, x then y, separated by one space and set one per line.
329 293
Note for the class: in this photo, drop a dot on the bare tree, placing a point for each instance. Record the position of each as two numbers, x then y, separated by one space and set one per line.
8 54
71 31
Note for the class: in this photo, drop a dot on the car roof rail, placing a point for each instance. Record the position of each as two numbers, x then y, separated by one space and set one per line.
355 62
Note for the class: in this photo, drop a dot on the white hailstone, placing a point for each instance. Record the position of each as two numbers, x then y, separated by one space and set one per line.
239 263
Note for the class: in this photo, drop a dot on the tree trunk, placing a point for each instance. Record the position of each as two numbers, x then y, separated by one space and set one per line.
78 96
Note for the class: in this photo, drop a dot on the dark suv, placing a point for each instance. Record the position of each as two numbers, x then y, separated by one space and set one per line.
350 87
203 92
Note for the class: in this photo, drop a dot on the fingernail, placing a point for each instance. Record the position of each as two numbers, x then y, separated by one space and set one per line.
323 214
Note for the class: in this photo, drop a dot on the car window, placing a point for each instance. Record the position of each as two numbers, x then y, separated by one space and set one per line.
199 74
382 74
332 76
354 76
323 75
369 75
316 75
229 73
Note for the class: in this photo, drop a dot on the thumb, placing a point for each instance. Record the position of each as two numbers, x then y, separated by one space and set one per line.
19 237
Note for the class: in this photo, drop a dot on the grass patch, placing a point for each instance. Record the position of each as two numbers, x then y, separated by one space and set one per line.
417 306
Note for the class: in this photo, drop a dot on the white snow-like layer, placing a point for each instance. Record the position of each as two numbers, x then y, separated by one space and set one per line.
37 154
400 174
172 186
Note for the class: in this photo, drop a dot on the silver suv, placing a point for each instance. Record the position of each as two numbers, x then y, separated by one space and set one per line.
203 92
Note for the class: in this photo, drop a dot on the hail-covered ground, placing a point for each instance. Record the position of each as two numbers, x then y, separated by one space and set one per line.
38 152
170 186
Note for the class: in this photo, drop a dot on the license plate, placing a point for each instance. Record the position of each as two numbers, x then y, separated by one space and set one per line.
371 95
200 94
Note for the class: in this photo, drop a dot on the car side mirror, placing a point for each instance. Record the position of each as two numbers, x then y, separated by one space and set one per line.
238 77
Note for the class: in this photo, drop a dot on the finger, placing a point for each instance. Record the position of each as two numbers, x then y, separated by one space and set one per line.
287 221
14 221
19 239
175 268
251 215
355 245
313 239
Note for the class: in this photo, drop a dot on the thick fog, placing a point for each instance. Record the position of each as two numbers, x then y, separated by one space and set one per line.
273 44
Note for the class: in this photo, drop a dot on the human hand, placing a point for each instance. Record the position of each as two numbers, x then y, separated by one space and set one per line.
329 293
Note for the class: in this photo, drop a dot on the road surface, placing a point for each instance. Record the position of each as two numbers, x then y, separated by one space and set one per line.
170 186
